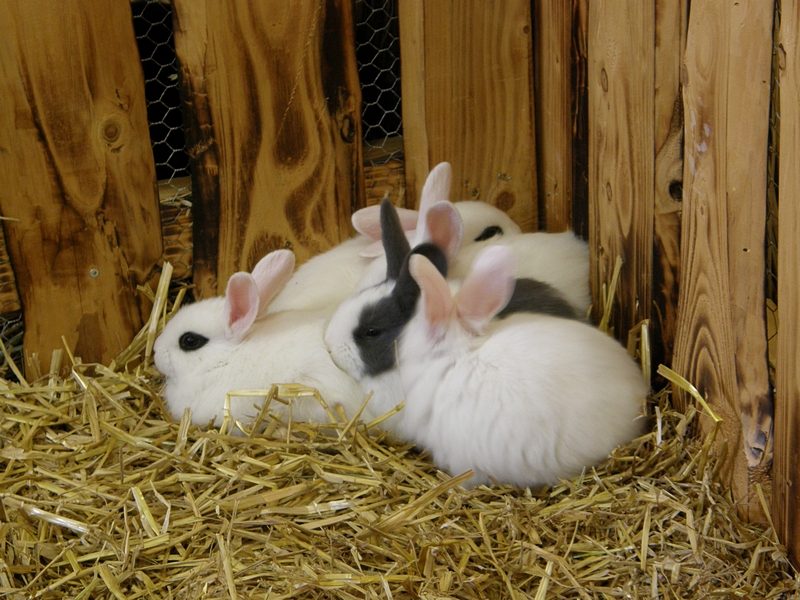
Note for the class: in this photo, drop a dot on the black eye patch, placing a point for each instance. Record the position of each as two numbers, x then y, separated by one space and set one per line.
190 341
489 232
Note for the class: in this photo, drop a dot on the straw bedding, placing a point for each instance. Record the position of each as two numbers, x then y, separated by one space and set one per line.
101 496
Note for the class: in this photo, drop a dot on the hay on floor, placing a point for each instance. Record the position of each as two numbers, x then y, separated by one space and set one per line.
101 496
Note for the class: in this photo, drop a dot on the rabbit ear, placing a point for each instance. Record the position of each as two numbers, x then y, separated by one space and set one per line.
395 243
487 288
436 298
271 274
436 188
241 304
443 227
367 221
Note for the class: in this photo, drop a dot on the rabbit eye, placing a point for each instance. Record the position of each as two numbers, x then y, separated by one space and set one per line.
192 341
489 232
373 332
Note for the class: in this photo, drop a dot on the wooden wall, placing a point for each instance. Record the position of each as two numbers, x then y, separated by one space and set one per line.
467 88
721 342
272 101
77 178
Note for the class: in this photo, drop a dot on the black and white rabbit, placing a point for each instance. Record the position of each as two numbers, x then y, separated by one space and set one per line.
525 400
218 345
362 332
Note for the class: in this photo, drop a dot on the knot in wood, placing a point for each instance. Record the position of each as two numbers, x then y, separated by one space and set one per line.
347 129
505 201
604 79
111 130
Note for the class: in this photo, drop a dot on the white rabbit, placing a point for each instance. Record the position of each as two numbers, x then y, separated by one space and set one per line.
362 332
526 400
326 280
219 345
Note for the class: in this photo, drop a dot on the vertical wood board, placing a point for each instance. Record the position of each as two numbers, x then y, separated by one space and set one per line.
76 173
273 99
723 219
467 85
671 23
786 472
621 154
553 79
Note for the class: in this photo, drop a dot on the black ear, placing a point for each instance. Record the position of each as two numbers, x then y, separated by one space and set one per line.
434 254
406 291
395 244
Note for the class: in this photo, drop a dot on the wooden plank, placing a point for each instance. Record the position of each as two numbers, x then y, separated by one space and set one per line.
720 344
786 472
621 154
671 24
467 80
553 82
272 94
77 172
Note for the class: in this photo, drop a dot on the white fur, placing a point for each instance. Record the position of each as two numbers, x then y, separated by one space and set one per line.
327 279
245 352
532 399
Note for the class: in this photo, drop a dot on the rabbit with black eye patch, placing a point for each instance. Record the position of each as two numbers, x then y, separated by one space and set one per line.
362 332
525 400
218 345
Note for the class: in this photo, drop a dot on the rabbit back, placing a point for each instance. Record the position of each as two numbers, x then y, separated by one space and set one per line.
536 399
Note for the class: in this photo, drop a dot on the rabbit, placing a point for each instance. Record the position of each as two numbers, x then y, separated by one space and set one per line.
523 401
362 332
228 343
327 279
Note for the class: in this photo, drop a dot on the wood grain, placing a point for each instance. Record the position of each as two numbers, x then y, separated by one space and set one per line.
786 472
621 154
273 99
554 92
77 173
720 344
671 23
467 85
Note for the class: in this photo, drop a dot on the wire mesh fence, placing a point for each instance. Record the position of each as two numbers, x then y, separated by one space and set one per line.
378 54
152 24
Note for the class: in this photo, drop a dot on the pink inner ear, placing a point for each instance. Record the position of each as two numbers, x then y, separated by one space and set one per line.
271 274
444 228
367 221
436 188
487 288
241 304
436 298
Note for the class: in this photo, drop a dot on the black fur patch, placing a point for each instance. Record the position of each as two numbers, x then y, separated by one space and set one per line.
380 323
395 243
534 296
489 232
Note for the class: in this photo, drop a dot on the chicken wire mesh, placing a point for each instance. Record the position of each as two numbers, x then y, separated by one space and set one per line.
378 55
152 24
